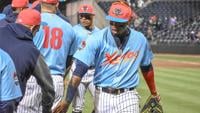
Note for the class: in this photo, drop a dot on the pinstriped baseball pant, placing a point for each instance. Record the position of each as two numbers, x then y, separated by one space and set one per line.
127 102
79 98
31 102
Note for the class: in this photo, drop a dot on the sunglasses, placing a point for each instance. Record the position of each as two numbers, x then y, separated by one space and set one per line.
121 2
86 16
118 24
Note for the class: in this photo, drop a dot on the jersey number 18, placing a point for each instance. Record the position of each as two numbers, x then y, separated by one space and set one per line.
55 41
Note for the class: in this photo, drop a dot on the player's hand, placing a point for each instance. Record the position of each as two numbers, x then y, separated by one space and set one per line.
157 96
62 107
152 105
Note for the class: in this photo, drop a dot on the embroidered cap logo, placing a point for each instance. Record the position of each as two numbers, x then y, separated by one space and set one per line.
85 8
117 12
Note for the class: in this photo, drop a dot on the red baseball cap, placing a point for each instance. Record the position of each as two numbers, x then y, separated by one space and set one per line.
50 1
29 17
86 8
19 3
119 12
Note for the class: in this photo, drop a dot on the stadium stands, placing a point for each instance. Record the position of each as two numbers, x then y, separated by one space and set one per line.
174 22
185 13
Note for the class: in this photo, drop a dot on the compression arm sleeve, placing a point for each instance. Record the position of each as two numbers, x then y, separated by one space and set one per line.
148 74
81 69
78 73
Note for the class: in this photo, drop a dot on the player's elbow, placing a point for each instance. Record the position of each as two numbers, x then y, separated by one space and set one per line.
146 68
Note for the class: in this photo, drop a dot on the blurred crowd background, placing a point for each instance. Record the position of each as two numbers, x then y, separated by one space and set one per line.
171 26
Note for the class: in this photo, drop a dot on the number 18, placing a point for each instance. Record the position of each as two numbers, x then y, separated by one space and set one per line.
55 41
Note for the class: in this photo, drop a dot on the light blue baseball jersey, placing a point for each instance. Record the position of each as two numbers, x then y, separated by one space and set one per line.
82 34
114 67
9 84
55 40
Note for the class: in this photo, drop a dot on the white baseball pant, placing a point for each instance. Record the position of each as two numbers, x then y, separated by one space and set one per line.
79 99
32 100
126 102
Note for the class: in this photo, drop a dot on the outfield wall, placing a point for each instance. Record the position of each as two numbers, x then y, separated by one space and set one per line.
177 49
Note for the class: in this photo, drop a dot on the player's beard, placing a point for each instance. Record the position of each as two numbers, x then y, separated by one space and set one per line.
118 31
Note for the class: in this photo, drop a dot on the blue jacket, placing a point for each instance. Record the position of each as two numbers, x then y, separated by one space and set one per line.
7 10
16 40
8 19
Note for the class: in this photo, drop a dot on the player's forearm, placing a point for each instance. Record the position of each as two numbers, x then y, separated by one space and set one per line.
78 73
148 74
72 88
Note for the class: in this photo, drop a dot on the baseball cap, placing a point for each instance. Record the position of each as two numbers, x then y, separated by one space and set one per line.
19 3
50 1
29 17
119 12
86 8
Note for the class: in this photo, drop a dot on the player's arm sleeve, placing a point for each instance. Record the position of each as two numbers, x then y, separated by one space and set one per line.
147 55
148 74
79 72
147 69
45 81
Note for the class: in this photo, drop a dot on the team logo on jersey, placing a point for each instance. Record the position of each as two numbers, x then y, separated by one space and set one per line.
83 44
115 58
117 12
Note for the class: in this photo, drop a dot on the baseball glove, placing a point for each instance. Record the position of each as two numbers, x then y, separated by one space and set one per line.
152 106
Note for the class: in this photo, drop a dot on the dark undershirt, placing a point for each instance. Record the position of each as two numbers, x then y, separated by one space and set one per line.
121 40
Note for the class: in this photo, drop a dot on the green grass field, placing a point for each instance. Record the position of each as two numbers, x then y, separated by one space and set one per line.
179 87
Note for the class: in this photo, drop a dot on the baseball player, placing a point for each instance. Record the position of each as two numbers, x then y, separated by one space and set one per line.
15 6
16 41
11 11
55 40
36 4
10 91
84 30
118 51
